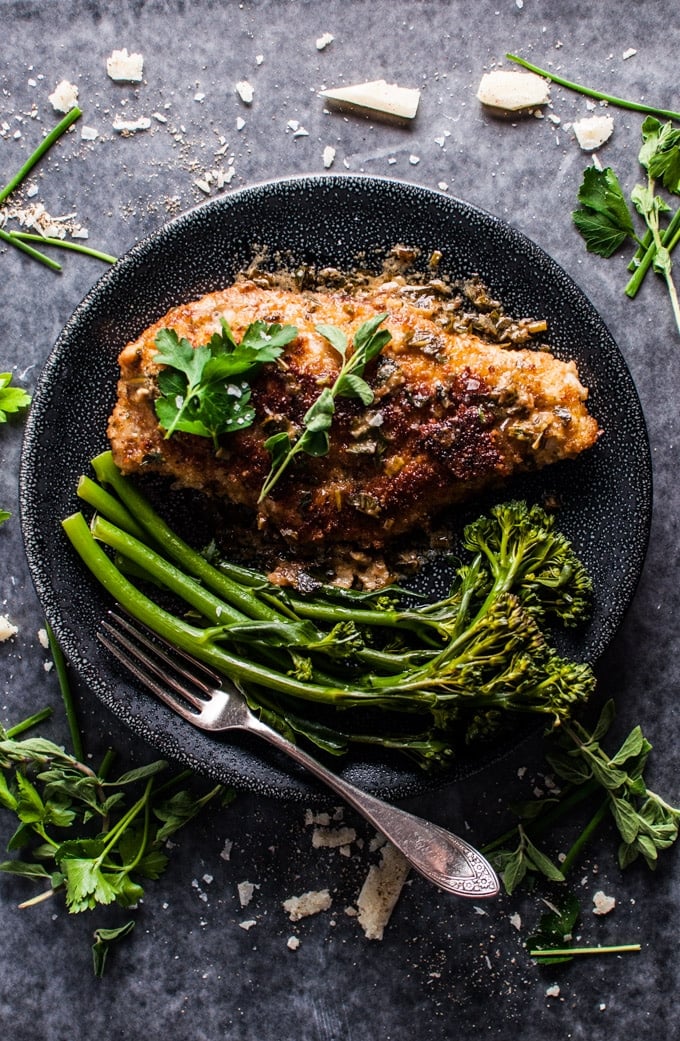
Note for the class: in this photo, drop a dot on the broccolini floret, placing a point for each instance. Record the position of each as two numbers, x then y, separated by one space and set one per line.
340 670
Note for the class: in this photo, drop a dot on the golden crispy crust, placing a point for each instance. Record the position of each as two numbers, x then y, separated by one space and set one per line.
452 415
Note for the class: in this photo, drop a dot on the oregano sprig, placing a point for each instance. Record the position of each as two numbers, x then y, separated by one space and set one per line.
646 823
314 439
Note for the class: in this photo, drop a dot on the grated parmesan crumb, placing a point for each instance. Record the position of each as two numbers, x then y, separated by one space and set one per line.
328 156
131 126
292 943
245 91
7 630
64 97
593 131
331 838
603 904
43 638
122 67
306 904
246 891
324 40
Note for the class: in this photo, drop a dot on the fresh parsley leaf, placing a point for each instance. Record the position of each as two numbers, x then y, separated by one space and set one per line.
603 219
314 440
103 940
4 516
555 927
204 390
660 152
12 399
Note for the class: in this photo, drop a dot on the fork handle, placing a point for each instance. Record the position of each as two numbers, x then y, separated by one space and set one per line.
438 854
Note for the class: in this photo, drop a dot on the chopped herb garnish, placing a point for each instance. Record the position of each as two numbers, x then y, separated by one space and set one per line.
314 438
12 399
204 390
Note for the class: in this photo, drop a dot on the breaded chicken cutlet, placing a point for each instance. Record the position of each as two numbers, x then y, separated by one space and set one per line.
451 416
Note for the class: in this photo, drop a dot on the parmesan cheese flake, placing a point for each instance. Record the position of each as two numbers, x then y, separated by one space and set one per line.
122 67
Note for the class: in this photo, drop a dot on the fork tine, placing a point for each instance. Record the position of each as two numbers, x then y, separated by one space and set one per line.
147 681
155 658
142 633
145 667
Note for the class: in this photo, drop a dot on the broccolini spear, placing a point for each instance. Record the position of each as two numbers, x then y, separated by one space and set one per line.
430 675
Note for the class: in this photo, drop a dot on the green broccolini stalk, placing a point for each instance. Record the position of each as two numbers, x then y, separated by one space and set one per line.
383 669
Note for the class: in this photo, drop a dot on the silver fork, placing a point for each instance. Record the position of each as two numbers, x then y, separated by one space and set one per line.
211 702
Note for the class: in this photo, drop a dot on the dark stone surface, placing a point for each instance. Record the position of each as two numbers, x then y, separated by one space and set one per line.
444 968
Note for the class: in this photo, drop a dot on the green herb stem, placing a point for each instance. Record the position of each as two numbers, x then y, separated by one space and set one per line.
39 152
635 106
67 695
554 952
669 240
27 724
34 254
68 244
585 837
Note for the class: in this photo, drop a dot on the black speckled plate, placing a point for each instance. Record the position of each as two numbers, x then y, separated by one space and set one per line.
324 221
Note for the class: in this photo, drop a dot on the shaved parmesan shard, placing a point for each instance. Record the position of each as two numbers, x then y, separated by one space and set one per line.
381 890
130 126
377 96
310 903
513 91
7 630
64 97
125 68
593 131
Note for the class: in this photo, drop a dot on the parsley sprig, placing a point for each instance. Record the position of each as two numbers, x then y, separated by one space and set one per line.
204 390
605 219
94 839
12 399
314 439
